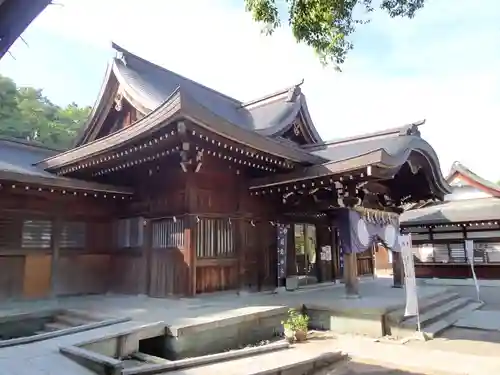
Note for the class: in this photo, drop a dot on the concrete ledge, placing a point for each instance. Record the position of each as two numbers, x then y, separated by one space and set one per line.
34 314
204 360
232 317
459 282
299 359
61 332
93 361
124 342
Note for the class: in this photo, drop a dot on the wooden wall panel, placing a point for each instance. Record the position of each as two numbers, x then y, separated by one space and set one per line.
217 276
37 274
457 271
325 238
11 276
365 262
382 263
128 274
83 274
168 273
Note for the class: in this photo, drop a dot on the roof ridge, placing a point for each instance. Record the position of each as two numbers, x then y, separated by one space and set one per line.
126 52
405 130
288 89
459 168
24 142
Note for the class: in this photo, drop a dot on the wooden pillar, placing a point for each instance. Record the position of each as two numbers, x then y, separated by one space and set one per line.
397 270
190 254
351 275
56 239
319 234
147 255
291 264
335 252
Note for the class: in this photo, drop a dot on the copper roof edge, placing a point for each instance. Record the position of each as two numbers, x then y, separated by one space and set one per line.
382 133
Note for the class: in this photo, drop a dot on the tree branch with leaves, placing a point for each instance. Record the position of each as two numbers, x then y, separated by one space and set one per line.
325 25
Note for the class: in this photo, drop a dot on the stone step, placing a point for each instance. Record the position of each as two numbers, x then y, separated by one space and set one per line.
87 315
72 321
439 326
424 305
409 326
436 313
55 326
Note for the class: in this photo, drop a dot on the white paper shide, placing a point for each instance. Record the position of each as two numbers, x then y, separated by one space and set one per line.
410 280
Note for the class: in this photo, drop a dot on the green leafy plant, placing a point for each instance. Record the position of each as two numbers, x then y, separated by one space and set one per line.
296 321
326 25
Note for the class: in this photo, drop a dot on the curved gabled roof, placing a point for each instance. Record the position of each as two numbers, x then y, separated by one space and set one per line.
388 149
148 85
459 168
18 164
179 104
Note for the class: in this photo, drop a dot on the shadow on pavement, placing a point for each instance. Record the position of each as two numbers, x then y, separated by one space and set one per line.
355 367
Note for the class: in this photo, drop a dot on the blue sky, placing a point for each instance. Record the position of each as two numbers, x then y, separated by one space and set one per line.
443 66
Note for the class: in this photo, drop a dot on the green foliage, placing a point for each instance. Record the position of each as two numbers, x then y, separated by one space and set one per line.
26 114
325 25
296 321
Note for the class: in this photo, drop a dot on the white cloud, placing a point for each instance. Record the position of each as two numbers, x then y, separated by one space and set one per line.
454 85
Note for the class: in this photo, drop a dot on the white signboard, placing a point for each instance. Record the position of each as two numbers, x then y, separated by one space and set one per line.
326 253
410 280
469 249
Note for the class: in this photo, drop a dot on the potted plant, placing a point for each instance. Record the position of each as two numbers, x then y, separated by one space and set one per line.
295 327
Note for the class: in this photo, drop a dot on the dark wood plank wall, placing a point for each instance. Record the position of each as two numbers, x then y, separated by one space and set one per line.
28 272
219 191
159 272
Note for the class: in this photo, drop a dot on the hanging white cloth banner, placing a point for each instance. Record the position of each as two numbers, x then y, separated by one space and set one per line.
410 280
469 249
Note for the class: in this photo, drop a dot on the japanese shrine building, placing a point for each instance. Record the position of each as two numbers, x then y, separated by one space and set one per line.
439 229
173 188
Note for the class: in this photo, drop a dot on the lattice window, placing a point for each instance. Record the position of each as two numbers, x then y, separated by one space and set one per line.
73 235
490 251
441 253
37 234
457 253
9 233
129 232
214 238
168 233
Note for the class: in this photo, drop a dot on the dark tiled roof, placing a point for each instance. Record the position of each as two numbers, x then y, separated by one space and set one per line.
17 164
15 16
389 149
180 102
459 211
152 85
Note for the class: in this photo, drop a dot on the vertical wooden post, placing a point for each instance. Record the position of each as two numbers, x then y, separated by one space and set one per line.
318 264
147 249
190 254
55 245
397 270
351 275
291 264
335 253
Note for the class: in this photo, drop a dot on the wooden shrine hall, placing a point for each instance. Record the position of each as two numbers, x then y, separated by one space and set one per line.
439 229
173 188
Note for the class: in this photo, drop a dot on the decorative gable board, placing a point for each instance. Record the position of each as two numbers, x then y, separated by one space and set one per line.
464 189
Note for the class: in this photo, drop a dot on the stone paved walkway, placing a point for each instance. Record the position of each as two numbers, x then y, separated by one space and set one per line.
43 358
